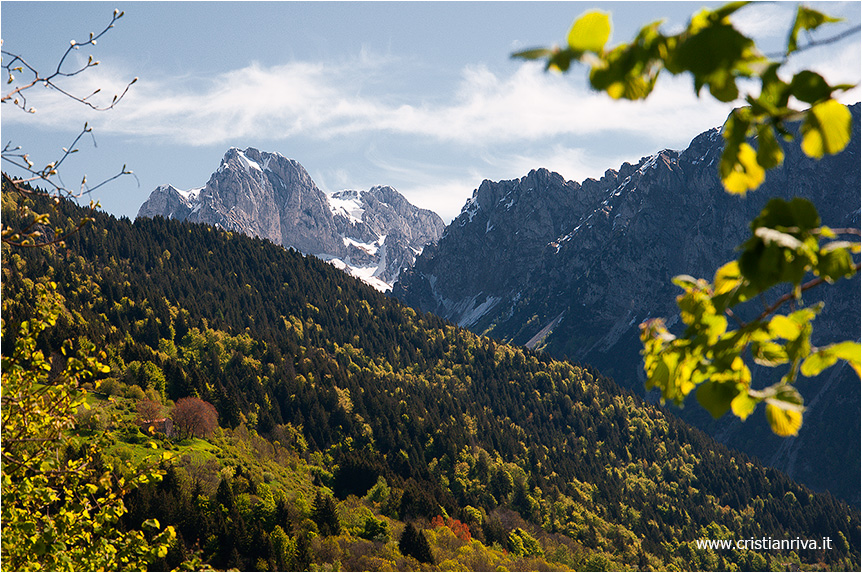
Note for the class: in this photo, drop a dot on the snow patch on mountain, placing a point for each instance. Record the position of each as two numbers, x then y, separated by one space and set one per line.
371 234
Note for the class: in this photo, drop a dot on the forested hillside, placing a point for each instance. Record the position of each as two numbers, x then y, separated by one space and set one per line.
442 449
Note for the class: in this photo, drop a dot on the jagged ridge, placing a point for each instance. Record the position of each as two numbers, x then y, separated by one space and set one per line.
371 234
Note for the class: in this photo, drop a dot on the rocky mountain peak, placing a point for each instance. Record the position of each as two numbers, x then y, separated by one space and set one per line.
371 234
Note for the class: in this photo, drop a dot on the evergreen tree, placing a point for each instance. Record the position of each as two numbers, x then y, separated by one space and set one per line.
414 544
324 515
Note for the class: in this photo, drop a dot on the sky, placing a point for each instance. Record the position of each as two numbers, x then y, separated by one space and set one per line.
421 96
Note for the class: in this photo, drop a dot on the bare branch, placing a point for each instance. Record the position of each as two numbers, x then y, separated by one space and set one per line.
784 56
19 64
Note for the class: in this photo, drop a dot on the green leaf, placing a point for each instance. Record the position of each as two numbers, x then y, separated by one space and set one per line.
561 60
826 129
804 213
797 212
590 32
716 398
769 152
534 54
823 358
715 46
806 19
834 264
809 87
774 92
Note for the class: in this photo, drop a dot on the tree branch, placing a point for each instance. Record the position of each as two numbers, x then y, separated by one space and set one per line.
17 94
790 296
784 56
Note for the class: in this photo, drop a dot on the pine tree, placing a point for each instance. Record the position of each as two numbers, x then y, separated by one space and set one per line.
324 515
414 544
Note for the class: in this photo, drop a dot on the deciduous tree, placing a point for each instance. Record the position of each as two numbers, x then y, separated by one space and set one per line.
59 512
194 417
60 508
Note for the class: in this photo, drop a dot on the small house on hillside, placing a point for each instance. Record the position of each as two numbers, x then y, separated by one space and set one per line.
161 426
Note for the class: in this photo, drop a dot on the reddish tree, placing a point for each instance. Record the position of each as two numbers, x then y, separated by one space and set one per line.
461 530
194 417
149 410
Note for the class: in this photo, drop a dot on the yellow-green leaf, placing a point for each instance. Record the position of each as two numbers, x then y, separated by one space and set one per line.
783 422
826 129
590 32
745 173
782 327
806 19
768 353
727 278
743 405
823 358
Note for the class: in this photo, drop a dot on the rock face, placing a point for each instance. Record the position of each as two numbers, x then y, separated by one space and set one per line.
371 234
573 269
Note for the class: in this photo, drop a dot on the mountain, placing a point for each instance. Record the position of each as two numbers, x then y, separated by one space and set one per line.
501 456
573 269
371 234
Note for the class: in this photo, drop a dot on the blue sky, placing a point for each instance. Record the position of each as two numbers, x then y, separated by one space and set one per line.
421 96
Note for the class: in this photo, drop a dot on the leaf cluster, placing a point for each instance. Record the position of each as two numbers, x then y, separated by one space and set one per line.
785 243
784 247
60 510
718 57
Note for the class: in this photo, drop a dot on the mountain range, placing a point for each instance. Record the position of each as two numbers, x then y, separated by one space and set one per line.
371 234
573 269
568 268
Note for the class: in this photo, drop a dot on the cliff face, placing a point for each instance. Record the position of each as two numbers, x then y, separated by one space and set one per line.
573 269
372 234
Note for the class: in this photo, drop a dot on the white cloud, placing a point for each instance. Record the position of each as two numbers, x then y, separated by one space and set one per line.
765 20
325 101
523 106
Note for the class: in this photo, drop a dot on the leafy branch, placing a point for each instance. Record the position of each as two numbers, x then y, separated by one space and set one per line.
785 243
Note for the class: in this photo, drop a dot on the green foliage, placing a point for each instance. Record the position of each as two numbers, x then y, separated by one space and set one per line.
375 529
59 509
717 56
785 245
522 543
324 515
